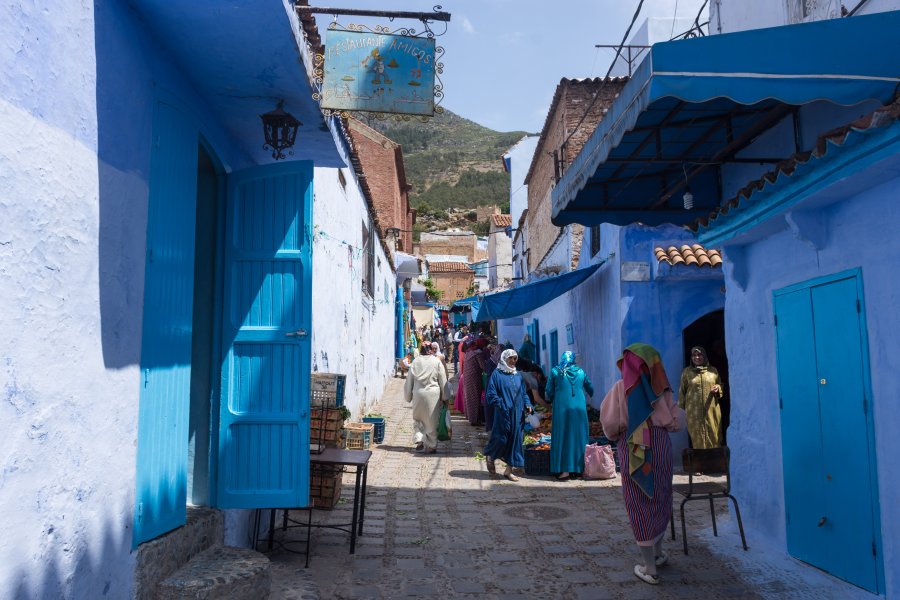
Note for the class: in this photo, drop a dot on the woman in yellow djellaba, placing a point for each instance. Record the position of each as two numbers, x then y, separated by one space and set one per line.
699 394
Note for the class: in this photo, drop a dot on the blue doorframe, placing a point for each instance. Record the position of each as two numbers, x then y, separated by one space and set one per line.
554 348
828 444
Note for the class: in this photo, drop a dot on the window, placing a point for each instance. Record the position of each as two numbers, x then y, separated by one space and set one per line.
459 295
595 240
341 179
368 260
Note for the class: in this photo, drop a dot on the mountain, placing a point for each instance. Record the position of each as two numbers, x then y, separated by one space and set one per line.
451 162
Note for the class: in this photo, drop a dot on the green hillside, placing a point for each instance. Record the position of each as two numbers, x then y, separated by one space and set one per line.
452 162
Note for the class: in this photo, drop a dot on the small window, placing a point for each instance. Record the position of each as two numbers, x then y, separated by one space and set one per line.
341 179
595 240
459 295
368 262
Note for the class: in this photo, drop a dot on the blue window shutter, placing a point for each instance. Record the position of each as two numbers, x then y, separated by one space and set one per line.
163 414
264 413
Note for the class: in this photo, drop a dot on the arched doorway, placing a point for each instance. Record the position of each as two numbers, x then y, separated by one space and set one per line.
709 331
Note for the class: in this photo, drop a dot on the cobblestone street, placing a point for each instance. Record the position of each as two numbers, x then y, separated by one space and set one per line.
440 526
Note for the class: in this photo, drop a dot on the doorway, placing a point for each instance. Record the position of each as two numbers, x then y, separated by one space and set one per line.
205 363
709 332
830 476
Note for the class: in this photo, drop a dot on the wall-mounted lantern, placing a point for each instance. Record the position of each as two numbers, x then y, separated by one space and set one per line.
280 131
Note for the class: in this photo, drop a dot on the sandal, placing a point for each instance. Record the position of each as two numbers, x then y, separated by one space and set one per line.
491 466
509 475
662 559
420 446
563 477
644 576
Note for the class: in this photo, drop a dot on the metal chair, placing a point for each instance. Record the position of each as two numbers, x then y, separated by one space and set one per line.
711 461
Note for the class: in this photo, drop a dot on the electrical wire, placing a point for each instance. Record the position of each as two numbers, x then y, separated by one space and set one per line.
608 71
674 16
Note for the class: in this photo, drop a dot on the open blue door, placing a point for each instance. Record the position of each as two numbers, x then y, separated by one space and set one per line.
828 442
264 413
163 414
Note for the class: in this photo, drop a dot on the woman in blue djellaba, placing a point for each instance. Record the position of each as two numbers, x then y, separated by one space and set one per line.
507 396
565 390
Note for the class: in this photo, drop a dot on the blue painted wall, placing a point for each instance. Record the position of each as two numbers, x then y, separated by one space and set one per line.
77 87
852 230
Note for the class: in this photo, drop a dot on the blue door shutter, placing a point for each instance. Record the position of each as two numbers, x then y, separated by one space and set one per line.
264 424
163 413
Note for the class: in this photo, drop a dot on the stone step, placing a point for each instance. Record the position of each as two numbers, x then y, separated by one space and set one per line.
220 573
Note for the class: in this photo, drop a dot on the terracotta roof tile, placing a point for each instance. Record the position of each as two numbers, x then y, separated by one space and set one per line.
694 255
501 220
449 267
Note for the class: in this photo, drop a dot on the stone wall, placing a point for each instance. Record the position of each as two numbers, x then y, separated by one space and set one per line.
462 244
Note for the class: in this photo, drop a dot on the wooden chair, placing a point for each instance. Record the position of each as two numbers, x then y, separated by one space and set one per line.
714 462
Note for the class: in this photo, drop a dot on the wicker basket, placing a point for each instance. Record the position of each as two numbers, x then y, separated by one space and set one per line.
379 428
537 462
358 436
327 389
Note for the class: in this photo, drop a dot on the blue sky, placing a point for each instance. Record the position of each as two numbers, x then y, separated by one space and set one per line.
504 58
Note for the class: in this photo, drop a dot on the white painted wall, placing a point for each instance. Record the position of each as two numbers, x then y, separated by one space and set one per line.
726 16
519 157
352 333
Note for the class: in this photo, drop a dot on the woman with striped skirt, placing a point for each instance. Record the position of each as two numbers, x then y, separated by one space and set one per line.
639 412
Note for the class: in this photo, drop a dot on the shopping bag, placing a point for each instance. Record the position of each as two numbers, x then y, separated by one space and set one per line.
445 427
599 462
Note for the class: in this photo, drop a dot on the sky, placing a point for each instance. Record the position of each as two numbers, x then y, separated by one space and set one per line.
504 58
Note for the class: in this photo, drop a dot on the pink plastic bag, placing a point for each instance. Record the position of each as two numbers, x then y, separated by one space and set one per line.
599 462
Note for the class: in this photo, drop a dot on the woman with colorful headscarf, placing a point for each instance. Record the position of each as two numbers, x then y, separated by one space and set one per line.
506 396
639 413
699 394
565 391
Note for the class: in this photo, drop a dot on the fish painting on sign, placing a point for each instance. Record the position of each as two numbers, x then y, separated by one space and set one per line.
378 72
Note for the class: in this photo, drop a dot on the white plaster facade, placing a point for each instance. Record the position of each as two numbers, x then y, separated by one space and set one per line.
726 16
353 333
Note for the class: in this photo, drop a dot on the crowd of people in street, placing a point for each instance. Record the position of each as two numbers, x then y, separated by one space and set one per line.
498 387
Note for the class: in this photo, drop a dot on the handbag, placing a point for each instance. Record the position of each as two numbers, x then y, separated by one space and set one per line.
599 462
444 426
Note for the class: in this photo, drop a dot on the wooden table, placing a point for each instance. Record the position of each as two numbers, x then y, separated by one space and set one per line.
359 459
330 457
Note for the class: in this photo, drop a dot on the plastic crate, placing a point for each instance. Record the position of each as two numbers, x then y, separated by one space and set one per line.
327 389
537 462
358 436
379 427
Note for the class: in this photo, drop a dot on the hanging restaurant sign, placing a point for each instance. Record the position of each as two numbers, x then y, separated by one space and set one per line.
379 73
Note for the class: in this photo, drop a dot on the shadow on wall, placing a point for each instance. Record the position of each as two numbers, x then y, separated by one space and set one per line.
99 571
123 150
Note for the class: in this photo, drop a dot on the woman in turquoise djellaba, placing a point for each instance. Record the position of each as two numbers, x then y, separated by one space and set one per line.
565 391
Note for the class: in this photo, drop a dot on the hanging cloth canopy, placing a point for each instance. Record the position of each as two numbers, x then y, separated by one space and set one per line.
525 298
695 105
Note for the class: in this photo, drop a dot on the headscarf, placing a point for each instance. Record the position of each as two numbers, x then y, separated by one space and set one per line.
566 362
645 381
435 348
702 351
502 364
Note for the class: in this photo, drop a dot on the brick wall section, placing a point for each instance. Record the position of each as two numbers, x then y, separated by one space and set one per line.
382 163
447 243
570 102
454 285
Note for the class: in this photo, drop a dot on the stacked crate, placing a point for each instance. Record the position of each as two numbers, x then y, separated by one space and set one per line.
325 484
325 428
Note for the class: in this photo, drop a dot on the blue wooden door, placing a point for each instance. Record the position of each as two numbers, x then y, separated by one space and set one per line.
554 348
264 413
163 414
829 470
